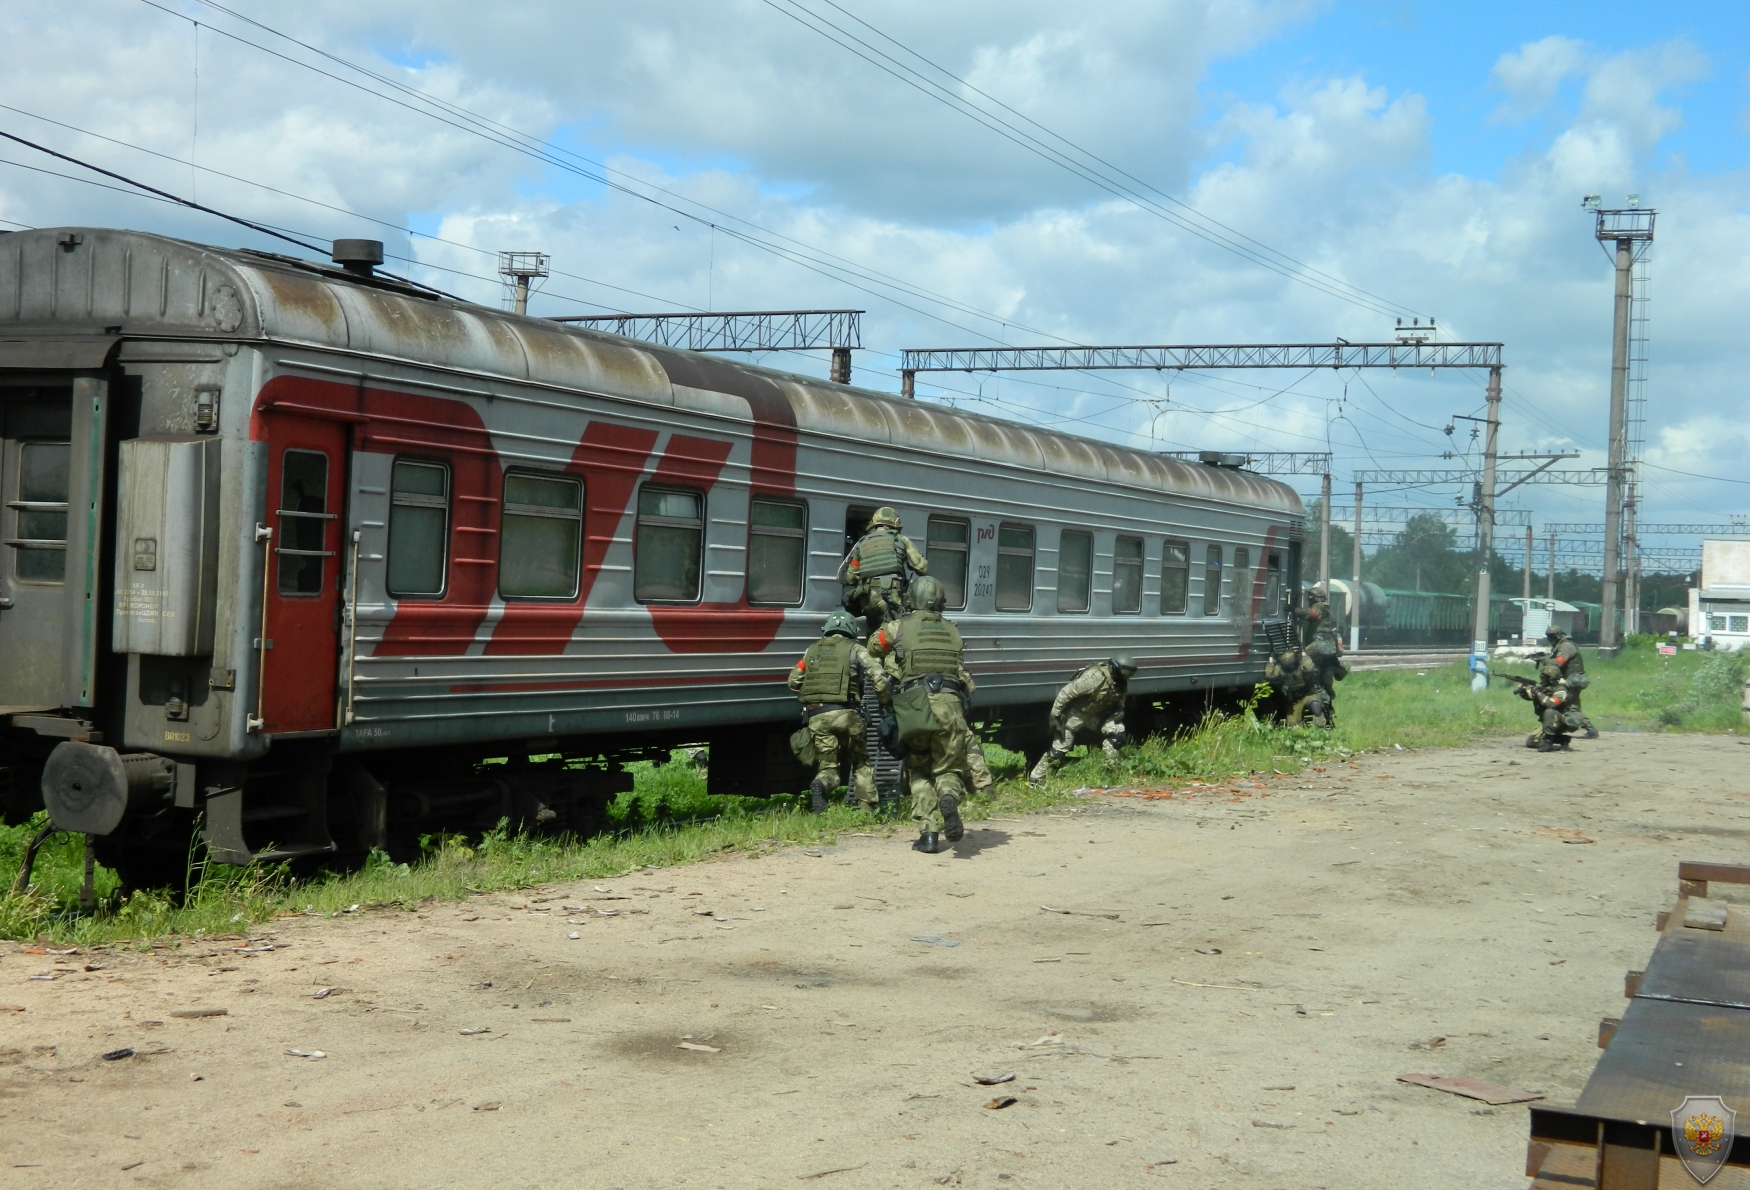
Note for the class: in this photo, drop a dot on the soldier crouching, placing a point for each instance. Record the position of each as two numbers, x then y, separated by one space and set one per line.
829 680
1092 702
1295 677
925 651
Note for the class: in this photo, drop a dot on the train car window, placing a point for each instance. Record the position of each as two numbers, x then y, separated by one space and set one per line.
1014 568
41 538
1175 578
304 518
1242 582
1127 576
1272 585
945 547
1212 581
777 551
671 536
1075 570
419 527
540 537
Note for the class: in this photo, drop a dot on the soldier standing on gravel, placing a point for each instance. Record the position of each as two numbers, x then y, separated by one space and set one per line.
829 680
876 571
925 652
1092 701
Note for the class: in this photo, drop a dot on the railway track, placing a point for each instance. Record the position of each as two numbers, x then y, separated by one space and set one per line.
1404 658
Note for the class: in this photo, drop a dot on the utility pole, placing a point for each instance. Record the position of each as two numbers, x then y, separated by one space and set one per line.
519 269
1631 231
1631 566
1552 567
1355 588
1325 535
1479 659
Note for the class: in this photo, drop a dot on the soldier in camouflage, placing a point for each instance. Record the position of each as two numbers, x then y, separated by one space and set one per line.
1319 640
877 571
829 680
1557 715
1092 701
1296 678
1566 654
924 652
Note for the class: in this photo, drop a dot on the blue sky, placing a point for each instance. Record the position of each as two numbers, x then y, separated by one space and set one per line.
1446 52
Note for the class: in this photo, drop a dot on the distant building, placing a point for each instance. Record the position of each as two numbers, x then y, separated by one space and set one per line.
1719 609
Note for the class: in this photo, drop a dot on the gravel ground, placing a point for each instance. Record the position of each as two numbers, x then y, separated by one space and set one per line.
1241 973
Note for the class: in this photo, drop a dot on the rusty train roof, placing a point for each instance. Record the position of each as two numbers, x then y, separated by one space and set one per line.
100 283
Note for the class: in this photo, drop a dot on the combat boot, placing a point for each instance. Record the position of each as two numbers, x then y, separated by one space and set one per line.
926 843
817 795
952 827
1591 732
1046 765
1546 746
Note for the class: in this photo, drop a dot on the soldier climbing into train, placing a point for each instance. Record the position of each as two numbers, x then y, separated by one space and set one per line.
829 680
926 652
1093 702
1566 654
1296 678
879 568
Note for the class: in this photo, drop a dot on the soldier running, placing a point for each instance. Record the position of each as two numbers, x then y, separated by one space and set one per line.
1565 653
926 652
1092 701
829 681
876 571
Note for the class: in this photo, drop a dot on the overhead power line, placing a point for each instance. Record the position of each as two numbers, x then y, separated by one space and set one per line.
1076 160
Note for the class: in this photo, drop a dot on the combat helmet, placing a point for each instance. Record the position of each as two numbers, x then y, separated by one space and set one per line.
1122 664
926 595
885 515
1554 631
842 623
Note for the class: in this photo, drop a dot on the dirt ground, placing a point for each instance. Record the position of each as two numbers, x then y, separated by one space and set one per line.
1243 973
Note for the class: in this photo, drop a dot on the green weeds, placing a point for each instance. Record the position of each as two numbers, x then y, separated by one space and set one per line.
668 819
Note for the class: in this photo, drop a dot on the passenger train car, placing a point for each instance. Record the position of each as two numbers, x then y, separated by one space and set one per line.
299 548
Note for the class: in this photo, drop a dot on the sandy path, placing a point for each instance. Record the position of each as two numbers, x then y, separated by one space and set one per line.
1348 913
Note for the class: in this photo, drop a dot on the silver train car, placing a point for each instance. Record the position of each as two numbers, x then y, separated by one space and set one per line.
318 559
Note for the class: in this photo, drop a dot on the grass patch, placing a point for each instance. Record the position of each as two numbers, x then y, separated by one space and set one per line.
668 819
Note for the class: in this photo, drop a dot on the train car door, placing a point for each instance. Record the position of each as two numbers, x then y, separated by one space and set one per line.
35 471
305 481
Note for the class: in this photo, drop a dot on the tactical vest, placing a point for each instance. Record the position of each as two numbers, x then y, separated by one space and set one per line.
877 554
929 645
1108 694
826 676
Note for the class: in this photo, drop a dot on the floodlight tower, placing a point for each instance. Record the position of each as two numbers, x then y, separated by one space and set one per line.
519 270
1630 229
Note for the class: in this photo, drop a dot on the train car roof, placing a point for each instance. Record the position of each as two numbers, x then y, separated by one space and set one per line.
70 294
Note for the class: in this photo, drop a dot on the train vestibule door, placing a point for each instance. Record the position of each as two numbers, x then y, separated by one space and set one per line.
35 472
300 652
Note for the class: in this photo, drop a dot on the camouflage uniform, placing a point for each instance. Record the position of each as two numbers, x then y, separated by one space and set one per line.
1557 716
1092 701
874 572
1565 653
829 681
923 649
1296 677
1321 642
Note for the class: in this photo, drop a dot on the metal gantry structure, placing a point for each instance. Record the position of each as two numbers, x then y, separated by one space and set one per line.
840 331
1262 462
1411 349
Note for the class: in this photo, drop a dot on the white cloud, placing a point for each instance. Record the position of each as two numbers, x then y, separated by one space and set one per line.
740 108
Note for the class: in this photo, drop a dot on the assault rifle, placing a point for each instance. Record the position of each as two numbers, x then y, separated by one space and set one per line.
1523 681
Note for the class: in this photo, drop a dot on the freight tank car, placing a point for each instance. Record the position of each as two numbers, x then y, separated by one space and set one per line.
319 560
